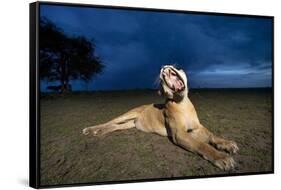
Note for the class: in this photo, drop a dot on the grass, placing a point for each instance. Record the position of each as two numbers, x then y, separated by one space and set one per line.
67 156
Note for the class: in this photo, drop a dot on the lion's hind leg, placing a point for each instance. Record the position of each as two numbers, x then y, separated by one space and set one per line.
100 130
125 121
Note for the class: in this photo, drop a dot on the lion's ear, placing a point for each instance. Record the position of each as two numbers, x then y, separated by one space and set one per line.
160 91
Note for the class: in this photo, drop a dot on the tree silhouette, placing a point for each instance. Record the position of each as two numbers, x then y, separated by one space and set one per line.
64 58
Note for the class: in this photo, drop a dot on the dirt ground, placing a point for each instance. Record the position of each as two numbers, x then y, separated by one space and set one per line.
68 157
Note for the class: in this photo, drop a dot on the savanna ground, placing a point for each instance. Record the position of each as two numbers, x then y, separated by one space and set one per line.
67 156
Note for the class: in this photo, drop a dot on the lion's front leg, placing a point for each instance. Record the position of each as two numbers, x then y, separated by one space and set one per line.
219 159
223 144
204 135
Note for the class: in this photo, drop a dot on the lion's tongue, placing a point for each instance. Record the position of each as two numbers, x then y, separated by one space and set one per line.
178 85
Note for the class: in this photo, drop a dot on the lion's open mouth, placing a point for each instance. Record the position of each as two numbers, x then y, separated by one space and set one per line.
173 79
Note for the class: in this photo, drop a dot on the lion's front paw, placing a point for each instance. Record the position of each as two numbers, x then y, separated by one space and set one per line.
226 163
229 146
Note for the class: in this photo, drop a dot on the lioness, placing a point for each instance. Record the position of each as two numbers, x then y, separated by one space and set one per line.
177 119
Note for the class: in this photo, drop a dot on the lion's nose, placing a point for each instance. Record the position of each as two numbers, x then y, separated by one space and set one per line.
165 72
168 71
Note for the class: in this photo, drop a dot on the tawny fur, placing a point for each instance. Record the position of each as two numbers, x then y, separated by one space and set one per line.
177 119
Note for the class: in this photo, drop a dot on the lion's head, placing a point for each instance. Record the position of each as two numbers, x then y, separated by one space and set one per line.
173 83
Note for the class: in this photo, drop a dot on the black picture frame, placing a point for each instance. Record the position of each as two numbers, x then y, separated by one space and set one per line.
34 93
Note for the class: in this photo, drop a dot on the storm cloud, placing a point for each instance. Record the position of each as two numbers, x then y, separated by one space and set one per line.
216 51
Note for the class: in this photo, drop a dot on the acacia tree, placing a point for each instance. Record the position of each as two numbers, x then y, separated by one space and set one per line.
64 58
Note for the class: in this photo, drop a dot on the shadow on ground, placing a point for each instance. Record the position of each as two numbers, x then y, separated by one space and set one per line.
67 156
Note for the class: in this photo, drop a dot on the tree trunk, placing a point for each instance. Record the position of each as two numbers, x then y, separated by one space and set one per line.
63 68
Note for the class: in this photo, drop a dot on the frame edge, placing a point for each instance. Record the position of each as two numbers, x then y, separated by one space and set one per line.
33 98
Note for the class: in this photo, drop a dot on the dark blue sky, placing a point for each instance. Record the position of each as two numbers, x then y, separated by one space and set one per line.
215 51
